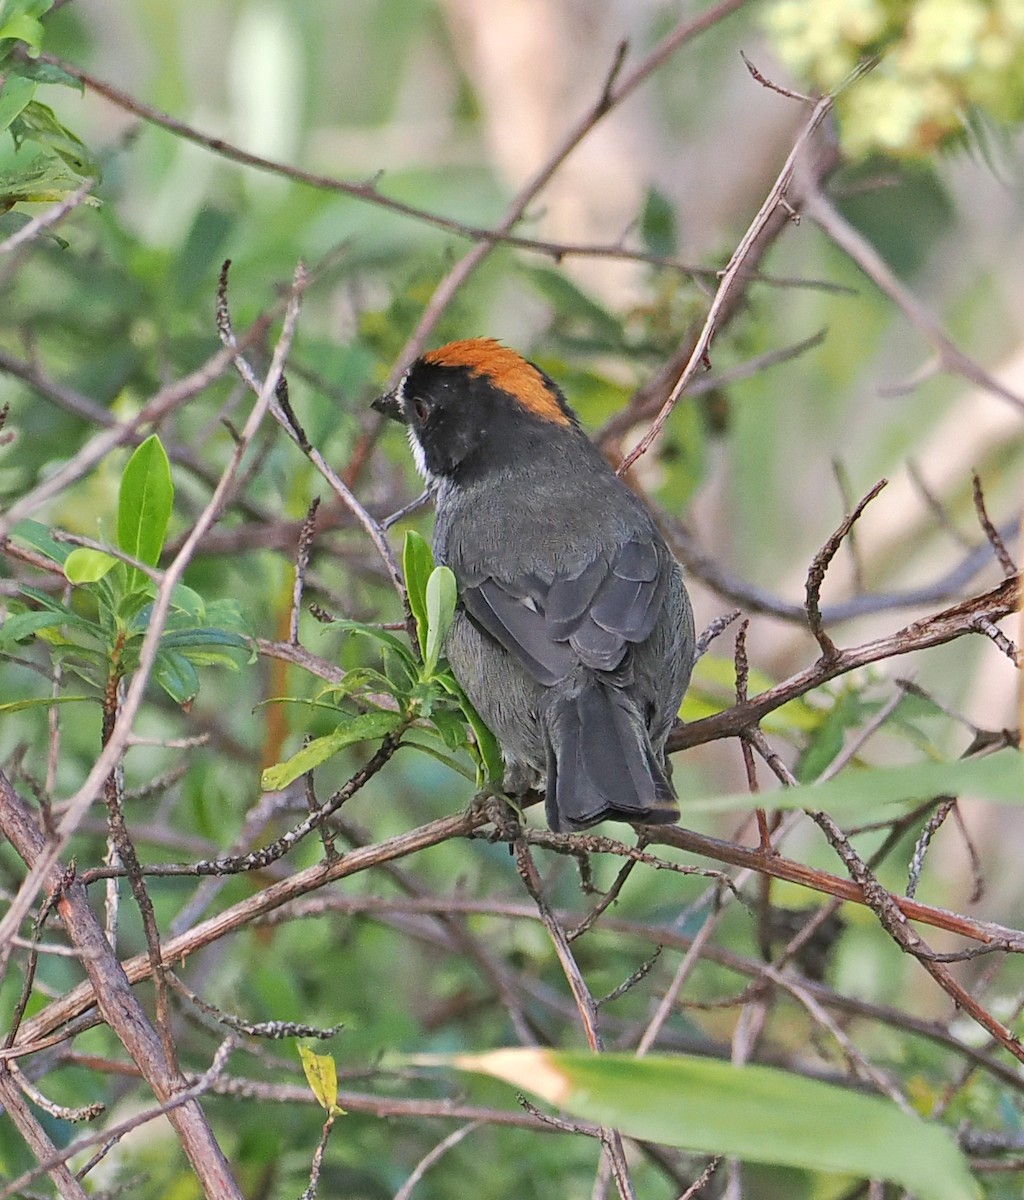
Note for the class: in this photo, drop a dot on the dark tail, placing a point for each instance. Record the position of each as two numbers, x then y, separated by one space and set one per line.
601 765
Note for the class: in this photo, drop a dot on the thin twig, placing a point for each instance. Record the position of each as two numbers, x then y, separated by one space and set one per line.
820 564
732 277
994 538
860 250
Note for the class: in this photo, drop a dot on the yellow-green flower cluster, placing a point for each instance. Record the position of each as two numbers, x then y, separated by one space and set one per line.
939 59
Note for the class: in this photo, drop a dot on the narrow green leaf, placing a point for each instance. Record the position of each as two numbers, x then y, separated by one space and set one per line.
756 1113
87 566
203 638
144 505
441 596
366 727
861 793
384 636
14 95
43 702
40 538
491 761
417 563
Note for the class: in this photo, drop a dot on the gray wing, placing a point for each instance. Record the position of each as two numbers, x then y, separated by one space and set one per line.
587 619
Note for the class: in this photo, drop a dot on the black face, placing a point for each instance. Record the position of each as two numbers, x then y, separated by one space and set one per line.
460 423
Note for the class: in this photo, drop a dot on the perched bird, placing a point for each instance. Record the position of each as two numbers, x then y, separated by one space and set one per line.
574 634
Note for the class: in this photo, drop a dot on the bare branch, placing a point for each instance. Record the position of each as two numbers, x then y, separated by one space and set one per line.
820 564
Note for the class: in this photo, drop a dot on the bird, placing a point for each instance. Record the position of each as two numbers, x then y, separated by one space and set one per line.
573 637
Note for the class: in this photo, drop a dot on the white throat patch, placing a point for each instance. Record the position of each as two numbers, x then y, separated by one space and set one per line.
418 456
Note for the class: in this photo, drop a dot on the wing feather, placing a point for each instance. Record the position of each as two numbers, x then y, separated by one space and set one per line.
587 619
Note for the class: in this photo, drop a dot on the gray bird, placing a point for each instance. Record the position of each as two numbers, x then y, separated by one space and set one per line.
574 635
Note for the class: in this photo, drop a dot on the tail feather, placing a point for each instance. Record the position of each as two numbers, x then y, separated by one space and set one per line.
601 764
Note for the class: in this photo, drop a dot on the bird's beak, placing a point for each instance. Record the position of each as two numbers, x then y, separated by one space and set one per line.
388 406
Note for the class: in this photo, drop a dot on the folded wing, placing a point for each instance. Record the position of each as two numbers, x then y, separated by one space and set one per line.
589 619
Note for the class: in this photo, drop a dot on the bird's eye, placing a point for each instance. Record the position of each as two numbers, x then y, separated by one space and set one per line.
421 409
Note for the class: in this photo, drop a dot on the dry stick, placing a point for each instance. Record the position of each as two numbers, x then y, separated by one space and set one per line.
122 849
611 97
935 630
732 277
384 909
36 1138
819 566
108 1138
852 243
432 1156
611 1139
116 1000
60 1112
938 817
286 419
301 567
893 919
114 748
994 540
79 999
984 625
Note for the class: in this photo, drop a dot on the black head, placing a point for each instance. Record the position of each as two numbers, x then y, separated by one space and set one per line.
473 404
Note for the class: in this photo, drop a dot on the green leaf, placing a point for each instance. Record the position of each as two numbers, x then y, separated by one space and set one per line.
144 504
756 1113
40 538
658 224
451 726
573 305
45 181
322 1077
861 793
365 727
204 638
846 713
23 28
23 625
441 596
176 675
43 72
491 761
87 566
14 95
417 564
38 123
43 702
